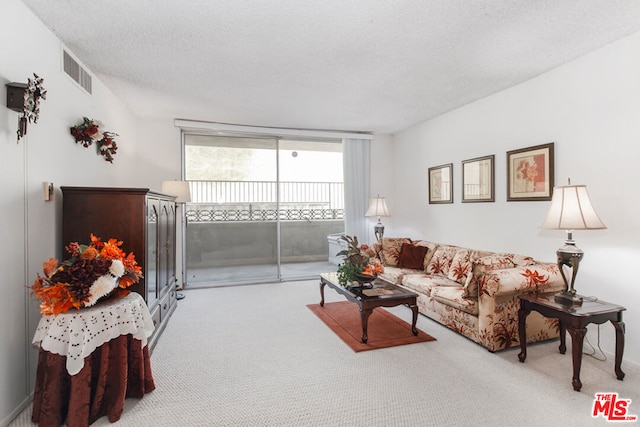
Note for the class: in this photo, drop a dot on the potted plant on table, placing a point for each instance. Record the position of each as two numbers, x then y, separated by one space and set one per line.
357 266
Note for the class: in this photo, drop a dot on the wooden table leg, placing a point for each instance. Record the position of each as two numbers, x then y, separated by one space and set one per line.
522 331
563 337
619 348
577 339
364 319
414 309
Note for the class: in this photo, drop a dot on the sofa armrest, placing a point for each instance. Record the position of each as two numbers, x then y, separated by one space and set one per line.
539 277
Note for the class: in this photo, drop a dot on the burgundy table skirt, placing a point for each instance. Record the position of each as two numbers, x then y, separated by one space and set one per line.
118 369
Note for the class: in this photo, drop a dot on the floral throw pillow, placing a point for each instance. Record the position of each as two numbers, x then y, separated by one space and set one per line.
441 260
391 247
482 265
461 265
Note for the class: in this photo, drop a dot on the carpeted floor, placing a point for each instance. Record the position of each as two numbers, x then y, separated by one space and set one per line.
383 328
257 356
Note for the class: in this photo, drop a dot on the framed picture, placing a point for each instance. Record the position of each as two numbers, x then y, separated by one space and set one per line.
441 184
478 180
530 173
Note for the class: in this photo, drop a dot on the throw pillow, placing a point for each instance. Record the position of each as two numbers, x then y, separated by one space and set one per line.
461 265
431 250
412 256
480 267
391 247
441 260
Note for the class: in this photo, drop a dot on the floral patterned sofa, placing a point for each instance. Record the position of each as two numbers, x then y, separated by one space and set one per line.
473 292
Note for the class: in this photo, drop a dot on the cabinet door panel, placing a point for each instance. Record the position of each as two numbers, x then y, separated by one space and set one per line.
151 273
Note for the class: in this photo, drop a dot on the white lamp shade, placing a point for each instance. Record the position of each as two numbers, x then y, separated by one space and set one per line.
180 189
571 210
378 207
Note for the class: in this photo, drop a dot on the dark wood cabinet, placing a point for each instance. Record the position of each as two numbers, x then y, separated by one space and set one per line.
146 223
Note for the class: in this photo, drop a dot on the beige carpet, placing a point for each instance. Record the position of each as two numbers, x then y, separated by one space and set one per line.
257 356
383 328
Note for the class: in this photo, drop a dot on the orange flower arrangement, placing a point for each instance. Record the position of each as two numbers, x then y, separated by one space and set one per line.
373 269
93 271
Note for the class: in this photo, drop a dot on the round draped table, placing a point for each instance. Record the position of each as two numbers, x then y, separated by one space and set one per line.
91 360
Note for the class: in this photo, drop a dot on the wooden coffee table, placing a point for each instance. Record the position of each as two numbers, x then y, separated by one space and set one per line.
382 294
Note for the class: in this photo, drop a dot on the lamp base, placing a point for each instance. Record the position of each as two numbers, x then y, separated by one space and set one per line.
568 299
379 230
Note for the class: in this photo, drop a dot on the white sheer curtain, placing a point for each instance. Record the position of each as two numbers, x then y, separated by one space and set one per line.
357 166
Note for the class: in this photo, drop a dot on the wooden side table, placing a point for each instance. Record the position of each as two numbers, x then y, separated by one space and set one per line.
574 320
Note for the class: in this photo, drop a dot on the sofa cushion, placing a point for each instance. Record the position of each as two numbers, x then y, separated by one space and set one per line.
390 252
395 274
412 256
453 297
482 265
423 283
441 260
460 266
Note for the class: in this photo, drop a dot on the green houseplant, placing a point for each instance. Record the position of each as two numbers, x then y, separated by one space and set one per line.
357 266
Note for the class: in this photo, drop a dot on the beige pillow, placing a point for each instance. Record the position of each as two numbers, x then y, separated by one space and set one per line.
391 247
480 266
441 260
460 266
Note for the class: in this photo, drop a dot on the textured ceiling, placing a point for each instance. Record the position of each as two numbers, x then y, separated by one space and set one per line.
361 65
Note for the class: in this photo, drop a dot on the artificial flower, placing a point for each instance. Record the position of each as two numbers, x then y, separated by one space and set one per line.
89 132
356 262
94 271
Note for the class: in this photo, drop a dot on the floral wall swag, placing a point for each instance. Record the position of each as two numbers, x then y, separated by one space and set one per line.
89 132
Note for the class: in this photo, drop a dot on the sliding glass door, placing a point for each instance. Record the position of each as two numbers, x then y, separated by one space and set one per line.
261 208
311 205
232 227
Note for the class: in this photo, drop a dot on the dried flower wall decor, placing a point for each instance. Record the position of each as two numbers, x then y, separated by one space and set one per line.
89 132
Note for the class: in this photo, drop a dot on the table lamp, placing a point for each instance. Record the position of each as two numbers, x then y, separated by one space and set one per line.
378 207
571 210
180 189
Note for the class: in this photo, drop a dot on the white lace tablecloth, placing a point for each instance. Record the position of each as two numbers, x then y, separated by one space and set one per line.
77 333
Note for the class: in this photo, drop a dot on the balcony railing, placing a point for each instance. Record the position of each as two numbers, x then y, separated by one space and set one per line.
214 201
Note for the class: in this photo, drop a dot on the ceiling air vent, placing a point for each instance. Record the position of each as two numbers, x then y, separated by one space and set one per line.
76 72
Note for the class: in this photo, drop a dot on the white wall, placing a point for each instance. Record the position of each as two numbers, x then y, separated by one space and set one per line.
590 108
382 154
30 226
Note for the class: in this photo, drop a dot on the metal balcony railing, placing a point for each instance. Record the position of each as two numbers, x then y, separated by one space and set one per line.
214 201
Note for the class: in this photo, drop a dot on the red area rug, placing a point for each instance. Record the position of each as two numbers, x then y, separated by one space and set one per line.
384 329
